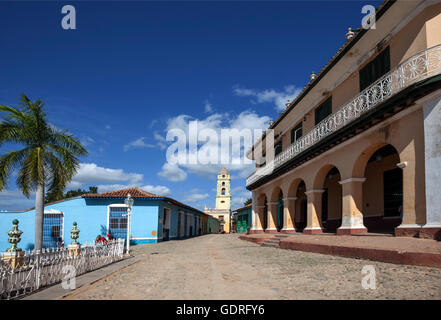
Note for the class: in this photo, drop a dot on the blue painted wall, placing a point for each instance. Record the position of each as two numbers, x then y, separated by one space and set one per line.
91 216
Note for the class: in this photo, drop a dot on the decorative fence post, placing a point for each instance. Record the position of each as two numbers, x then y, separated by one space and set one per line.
14 255
74 247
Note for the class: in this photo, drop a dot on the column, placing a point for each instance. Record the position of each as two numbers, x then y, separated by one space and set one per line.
272 217
314 212
432 159
288 215
352 204
257 216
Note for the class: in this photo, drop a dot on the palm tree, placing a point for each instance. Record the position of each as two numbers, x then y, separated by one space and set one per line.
49 157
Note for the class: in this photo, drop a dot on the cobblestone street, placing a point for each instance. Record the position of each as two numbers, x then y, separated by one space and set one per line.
225 267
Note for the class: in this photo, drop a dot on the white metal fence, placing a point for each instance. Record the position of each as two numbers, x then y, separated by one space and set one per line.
417 68
50 267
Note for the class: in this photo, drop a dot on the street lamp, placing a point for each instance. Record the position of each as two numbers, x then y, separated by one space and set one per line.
129 203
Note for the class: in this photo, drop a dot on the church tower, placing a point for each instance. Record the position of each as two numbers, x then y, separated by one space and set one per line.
223 195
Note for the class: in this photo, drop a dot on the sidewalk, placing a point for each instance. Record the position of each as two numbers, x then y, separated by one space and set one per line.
399 250
57 292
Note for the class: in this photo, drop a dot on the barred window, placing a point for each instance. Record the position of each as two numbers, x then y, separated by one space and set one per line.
56 231
114 223
123 223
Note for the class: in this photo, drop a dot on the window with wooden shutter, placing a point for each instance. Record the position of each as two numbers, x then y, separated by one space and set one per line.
296 133
278 148
375 69
324 110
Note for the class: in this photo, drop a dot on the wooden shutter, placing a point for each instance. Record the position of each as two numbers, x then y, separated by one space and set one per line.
324 110
296 133
375 69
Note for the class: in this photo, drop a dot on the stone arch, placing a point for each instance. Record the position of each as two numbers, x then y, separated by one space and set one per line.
298 189
359 166
382 194
292 188
261 199
320 175
277 207
328 179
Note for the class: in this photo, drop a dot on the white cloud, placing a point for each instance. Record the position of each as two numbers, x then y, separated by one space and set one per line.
108 127
279 98
15 200
87 141
111 187
152 123
160 140
92 173
196 197
172 172
158 190
138 143
208 107
217 122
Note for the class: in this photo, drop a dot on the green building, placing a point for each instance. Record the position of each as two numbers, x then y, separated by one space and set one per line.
242 218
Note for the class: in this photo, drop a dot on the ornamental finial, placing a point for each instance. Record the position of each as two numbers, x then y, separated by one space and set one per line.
14 237
350 34
312 76
74 233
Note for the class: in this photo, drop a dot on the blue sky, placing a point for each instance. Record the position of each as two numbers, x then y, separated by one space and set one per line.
131 70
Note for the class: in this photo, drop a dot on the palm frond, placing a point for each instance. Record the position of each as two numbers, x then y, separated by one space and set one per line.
51 156
9 162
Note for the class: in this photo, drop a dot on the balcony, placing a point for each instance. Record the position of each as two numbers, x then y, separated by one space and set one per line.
419 67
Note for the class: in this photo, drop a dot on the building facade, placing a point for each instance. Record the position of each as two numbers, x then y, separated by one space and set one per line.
153 219
242 218
358 150
222 212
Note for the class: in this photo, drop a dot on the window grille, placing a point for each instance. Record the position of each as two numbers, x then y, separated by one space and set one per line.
52 229
118 222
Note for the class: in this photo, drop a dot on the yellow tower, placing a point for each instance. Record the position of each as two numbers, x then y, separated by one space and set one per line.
223 195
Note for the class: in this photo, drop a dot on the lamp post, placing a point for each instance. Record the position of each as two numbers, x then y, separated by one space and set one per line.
129 203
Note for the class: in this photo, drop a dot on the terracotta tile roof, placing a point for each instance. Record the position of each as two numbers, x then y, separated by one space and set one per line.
134 193
137 193
223 171
123 193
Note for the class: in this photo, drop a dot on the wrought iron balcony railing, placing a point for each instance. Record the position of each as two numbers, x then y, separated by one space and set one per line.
423 65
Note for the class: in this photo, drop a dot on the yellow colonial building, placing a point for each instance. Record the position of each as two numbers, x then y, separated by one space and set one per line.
359 149
223 201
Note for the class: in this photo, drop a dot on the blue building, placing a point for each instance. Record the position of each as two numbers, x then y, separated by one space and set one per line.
154 218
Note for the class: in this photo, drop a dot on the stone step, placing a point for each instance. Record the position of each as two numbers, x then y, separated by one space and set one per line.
271 244
272 241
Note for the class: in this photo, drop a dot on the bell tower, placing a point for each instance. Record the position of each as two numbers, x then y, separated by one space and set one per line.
223 195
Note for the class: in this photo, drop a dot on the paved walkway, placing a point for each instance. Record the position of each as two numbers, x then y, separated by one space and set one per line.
57 291
225 267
